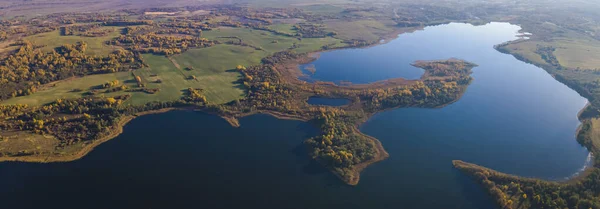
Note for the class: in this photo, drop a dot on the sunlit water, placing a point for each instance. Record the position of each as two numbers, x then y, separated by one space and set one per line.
514 118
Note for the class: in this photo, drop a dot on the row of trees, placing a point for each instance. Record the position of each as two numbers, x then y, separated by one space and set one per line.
512 192
547 54
308 30
87 30
23 72
160 44
82 119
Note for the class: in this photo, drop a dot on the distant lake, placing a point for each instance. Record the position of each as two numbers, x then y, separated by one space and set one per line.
328 101
514 117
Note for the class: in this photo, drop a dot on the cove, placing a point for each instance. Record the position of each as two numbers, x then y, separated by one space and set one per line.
514 117
328 101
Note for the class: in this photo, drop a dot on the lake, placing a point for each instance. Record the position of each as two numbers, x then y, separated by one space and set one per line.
514 117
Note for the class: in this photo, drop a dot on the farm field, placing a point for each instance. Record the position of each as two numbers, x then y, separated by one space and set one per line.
284 27
212 68
96 45
268 41
570 52
370 30
65 89
217 79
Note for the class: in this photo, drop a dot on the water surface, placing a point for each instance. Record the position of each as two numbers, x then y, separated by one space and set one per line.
514 118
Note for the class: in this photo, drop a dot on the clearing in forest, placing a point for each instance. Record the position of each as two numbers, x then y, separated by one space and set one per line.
96 45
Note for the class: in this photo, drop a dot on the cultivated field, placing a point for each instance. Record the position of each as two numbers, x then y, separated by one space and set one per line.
216 78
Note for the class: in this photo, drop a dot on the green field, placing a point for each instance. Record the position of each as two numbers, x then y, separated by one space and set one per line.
268 41
64 89
571 53
219 58
212 67
578 53
96 45
284 28
368 30
526 49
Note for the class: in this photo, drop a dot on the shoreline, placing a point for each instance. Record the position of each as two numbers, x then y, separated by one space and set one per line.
576 177
87 148
382 154
288 76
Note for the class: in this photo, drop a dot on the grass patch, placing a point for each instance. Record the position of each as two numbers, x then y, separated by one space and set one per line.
369 30
212 67
268 41
578 53
571 53
526 49
64 89
96 45
12 143
595 132
284 27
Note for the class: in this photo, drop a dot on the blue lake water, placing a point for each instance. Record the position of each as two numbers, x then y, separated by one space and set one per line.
514 117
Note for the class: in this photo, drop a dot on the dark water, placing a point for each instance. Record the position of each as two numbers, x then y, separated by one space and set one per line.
328 101
514 118
360 66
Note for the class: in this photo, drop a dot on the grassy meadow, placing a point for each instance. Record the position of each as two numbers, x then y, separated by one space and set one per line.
21 142
213 68
284 27
570 52
96 45
369 30
268 41
64 89
210 69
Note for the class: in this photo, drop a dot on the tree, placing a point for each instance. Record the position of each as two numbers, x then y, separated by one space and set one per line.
111 101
